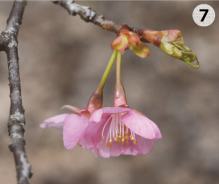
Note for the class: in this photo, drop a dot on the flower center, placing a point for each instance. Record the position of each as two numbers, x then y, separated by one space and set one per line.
117 132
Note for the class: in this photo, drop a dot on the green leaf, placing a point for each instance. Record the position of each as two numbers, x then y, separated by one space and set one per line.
180 51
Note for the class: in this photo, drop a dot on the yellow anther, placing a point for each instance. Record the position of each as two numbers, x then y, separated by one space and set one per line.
132 138
126 137
123 139
116 139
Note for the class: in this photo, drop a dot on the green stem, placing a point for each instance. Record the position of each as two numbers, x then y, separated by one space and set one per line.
96 99
107 71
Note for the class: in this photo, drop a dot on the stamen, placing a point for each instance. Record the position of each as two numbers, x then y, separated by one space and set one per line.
108 138
103 130
120 127
123 133
110 134
116 121
132 137
117 131
114 126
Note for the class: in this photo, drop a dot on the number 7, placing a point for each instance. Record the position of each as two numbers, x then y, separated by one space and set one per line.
205 13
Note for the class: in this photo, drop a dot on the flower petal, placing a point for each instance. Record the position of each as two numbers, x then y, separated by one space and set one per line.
144 145
97 115
103 151
73 129
141 125
157 132
92 135
55 121
108 151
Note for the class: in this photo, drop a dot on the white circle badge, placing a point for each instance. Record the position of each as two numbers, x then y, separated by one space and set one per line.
203 15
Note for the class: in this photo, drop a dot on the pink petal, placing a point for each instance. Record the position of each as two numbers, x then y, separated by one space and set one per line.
73 129
141 125
130 149
92 135
95 142
144 145
55 121
157 132
116 150
97 115
105 151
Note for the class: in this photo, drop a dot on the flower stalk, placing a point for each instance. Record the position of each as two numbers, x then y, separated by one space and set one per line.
96 99
120 97
107 71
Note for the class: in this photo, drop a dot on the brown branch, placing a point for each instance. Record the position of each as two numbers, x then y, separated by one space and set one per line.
16 122
88 15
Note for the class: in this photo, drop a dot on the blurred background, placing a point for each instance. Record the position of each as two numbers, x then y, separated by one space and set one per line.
61 61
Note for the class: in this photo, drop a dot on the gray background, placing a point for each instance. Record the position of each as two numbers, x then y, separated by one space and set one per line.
61 60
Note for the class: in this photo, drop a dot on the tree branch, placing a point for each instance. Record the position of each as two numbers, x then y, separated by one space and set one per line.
16 122
88 15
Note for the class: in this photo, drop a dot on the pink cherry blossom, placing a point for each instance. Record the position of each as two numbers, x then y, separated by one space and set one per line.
107 131
115 131
74 125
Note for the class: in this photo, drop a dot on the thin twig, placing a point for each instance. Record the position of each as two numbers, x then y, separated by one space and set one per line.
88 15
16 122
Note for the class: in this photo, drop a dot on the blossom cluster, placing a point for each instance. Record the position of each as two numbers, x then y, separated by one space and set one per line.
119 129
